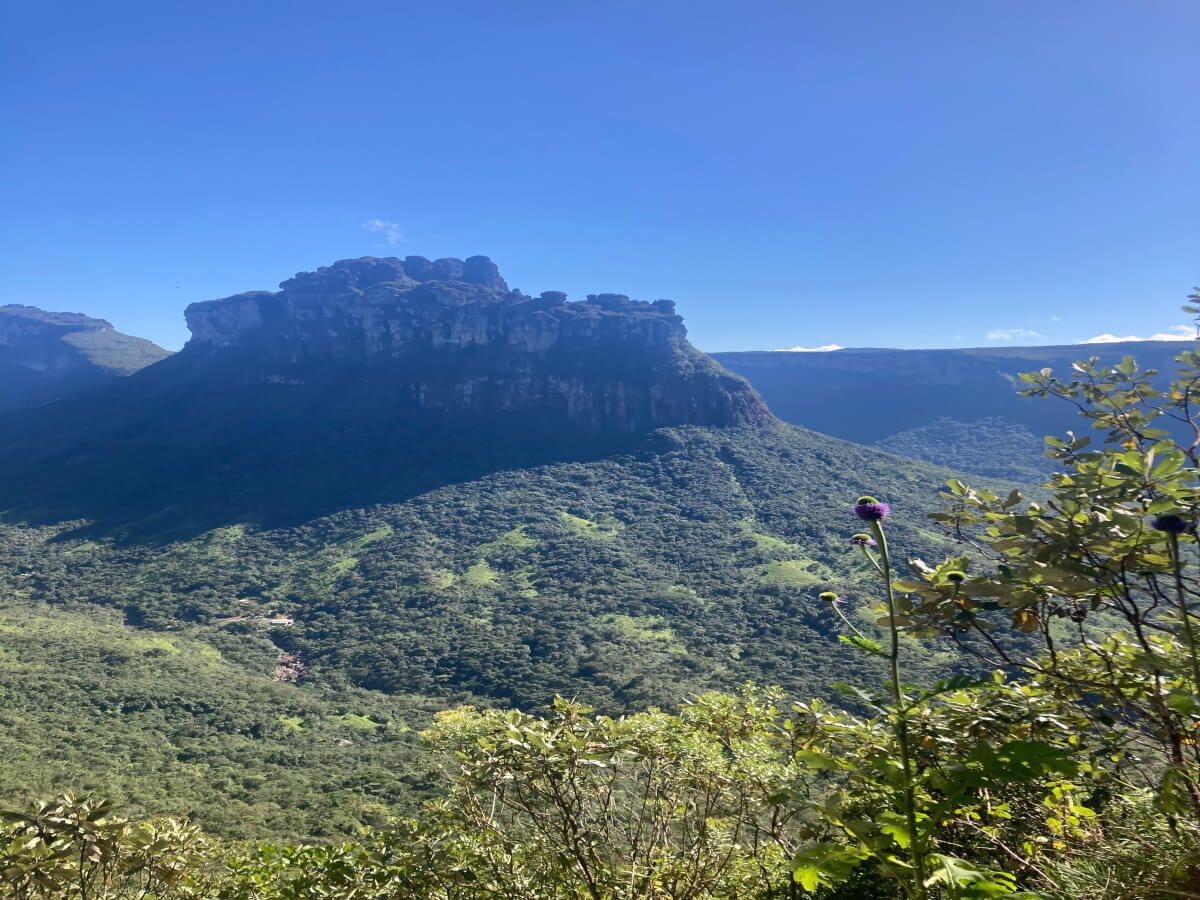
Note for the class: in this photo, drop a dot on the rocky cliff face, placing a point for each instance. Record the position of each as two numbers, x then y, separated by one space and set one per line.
46 355
450 335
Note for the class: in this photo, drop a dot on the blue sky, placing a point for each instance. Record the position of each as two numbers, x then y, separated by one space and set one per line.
915 174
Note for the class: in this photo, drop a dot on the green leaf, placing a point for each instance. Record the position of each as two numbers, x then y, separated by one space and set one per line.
895 825
960 875
1183 702
822 762
862 644
824 865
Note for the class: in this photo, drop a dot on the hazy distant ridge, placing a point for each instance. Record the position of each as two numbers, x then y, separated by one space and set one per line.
932 404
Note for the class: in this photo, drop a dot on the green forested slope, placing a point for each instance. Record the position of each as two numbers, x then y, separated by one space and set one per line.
999 447
689 564
166 723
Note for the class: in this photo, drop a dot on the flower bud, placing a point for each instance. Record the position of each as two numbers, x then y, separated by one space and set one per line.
1171 523
871 510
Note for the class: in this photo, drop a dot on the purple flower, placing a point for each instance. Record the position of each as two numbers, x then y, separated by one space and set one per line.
871 510
831 598
863 540
1171 523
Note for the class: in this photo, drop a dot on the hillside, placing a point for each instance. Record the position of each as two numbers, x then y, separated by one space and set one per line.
689 563
203 726
369 495
48 355
943 406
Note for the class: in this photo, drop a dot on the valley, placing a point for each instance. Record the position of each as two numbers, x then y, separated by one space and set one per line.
316 494
262 584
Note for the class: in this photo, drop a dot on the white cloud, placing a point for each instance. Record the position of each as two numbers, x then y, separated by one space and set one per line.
1011 334
824 348
392 233
1174 333
1056 318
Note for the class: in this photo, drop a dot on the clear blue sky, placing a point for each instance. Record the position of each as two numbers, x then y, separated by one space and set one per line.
909 174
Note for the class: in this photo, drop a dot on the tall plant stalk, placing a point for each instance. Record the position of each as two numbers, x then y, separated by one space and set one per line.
873 513
900 721
1185 612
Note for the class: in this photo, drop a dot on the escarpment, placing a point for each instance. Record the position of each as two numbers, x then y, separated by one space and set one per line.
450 335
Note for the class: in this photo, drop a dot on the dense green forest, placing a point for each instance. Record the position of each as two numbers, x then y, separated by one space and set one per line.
1071 770
998 447
627 582
695 668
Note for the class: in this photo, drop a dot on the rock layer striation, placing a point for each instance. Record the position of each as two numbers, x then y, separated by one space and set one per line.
450 335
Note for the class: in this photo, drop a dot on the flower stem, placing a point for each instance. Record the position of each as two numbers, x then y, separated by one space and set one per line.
901 721
1184 612
846 621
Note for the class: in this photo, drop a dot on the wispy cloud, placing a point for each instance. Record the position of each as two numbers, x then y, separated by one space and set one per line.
1174 333
1011 334
1056 318
392 233
824 348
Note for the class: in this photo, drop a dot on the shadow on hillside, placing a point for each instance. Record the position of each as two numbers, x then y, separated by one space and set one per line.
145 467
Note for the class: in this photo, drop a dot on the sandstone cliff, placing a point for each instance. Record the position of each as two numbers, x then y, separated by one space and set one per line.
450 335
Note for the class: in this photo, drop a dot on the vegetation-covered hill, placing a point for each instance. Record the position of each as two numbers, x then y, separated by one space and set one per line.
48 355
990 445
400 485
688 563
204 725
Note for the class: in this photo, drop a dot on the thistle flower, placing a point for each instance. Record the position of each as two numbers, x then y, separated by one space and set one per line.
1171 523
871 510
830 597
863 540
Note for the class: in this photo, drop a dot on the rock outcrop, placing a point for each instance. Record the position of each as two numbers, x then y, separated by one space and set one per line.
450 335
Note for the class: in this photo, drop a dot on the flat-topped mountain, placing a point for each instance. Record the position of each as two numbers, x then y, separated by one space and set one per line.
450 335
957 407
365 381
46 355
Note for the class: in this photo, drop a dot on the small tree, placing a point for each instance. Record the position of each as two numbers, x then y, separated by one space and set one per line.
72 849
649 805
1103 571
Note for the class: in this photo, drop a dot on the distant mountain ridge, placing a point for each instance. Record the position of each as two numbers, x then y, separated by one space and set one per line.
46 355
943 406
